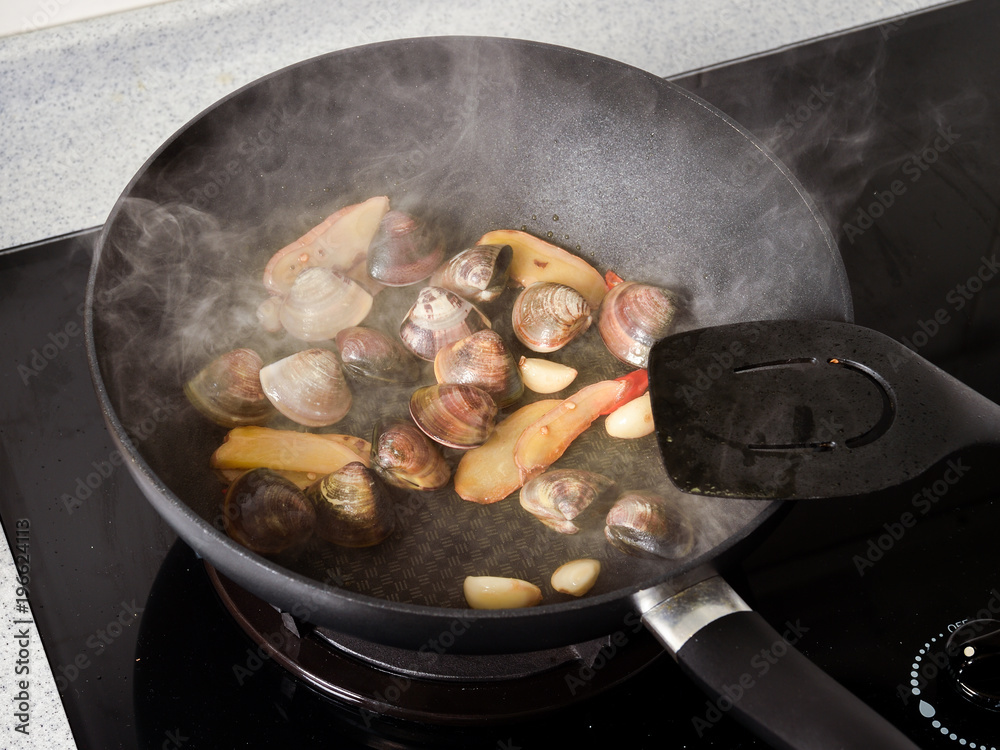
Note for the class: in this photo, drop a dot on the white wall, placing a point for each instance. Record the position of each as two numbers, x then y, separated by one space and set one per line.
18 16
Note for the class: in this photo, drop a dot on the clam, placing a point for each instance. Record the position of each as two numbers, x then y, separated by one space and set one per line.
479 273
405 250
267 513
308 387
438 318
454 414
369 353
405 457
321 303
227 390
558 496
482 360
633 317
648 524
353 508
548 315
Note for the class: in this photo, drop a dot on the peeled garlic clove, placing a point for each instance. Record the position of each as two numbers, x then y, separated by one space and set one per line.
633 420
545 376
576 577
490 592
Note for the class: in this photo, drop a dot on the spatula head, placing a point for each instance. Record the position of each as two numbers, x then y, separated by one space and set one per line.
797 409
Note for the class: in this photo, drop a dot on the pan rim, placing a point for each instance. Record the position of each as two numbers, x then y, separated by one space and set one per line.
181 517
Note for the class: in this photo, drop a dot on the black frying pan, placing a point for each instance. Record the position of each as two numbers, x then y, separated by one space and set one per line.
475 134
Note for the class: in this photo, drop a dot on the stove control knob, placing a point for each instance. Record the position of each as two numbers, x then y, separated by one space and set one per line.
973 653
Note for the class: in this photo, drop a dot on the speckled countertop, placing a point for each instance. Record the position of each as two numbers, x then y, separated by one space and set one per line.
83 105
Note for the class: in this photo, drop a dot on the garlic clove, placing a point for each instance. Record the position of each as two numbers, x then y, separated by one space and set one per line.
576 577
544 375
632 420
491 592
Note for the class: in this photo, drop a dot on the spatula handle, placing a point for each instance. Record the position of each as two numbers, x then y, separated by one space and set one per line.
755 674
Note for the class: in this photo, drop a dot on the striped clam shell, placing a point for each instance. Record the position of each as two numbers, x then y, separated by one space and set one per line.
547 316
439 317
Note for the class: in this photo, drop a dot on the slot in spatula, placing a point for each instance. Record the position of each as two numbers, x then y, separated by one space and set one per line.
805 409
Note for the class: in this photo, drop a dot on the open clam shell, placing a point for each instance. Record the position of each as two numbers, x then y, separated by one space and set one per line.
322 302
478 274
308 387
438 318
454 414
483 360
227 390
405 457
547 316
633 317
353 507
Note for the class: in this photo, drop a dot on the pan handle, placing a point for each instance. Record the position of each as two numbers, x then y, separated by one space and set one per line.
754 673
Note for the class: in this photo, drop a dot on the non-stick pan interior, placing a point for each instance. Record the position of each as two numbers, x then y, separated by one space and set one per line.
473 135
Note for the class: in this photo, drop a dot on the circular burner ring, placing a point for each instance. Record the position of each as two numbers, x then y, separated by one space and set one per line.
432 685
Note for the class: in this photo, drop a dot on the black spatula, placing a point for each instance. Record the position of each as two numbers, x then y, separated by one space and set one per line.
805 409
